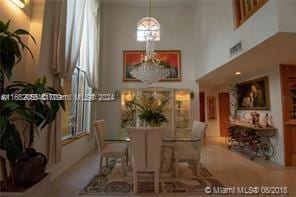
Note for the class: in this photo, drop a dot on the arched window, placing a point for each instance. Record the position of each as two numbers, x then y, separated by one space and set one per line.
148 24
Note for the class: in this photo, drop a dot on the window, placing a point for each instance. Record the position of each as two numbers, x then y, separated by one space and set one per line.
76 118
244 9
83 16
148 24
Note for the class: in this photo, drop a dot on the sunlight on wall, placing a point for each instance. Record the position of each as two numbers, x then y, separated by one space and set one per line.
10 11
20 18
19 3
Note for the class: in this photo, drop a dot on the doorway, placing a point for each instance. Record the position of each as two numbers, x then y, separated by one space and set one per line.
202 113
224 112
288 85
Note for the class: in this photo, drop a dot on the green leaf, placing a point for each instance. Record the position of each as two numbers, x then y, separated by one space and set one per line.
38 118
19 40
10 43
37 113
11 142
24 32
2 26
15 49
11 105
44 80
25 115
28 49
3 123
20 83
5 26
62 104
10 54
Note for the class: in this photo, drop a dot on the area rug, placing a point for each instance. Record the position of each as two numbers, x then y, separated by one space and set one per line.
112 183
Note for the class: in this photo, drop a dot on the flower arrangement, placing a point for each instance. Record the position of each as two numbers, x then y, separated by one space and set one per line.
151 109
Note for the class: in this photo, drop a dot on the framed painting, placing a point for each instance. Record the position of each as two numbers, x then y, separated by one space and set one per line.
211 107
254 94
170 59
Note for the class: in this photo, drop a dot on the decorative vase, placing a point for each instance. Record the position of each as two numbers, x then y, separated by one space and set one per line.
29 169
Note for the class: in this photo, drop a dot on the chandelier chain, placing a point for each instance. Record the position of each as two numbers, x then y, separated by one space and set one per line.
150 71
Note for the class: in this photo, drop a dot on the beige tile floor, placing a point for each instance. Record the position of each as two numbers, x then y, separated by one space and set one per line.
231 168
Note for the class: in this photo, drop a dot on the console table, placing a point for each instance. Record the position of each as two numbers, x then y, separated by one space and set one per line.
250 140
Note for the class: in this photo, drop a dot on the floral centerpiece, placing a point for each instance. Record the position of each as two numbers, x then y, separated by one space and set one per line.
151 109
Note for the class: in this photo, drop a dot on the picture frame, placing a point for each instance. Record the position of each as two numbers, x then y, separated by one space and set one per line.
211 108
292 98
254 94
169 58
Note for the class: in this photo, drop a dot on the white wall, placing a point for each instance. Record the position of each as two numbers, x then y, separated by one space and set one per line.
218 34
119 33
275 102
286 15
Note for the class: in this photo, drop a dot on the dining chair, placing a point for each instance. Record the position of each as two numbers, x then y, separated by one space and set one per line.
106 150
185 152
145 146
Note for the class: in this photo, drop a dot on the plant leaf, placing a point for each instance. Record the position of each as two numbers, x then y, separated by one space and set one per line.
30 52
11 142
24 32
10 105
5 26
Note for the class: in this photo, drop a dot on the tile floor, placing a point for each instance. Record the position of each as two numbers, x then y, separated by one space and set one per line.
231 168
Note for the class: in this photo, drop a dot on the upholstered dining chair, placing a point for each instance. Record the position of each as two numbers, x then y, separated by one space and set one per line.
191 151
106 150
145 146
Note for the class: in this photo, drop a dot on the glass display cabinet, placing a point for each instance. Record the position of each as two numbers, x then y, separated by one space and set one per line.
182 110
177 111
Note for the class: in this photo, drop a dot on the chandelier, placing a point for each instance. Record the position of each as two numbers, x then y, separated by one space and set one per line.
150 71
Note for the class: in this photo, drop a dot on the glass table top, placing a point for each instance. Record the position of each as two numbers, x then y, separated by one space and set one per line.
123 137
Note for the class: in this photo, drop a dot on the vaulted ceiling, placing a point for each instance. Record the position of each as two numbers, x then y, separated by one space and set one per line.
279 49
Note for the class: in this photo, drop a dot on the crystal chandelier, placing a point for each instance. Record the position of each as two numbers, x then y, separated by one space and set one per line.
150 71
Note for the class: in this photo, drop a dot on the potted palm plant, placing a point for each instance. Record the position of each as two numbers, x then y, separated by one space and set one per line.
27 166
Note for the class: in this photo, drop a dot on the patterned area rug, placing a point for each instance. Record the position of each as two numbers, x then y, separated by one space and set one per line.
112 183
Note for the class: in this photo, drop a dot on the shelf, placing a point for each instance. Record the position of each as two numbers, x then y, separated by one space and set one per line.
249 126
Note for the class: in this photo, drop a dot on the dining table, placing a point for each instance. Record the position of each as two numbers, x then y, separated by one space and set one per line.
170 140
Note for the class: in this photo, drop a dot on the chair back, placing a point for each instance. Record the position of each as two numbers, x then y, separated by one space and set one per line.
198 129
100 132
145 144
